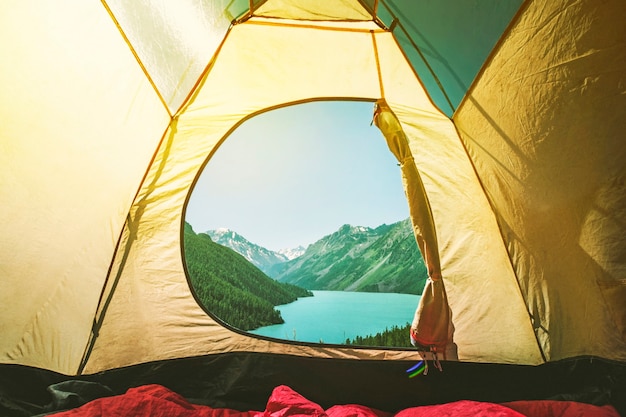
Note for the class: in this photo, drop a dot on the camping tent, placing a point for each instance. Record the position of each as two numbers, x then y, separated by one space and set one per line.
507 119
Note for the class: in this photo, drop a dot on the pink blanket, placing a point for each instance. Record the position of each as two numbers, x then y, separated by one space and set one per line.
158 401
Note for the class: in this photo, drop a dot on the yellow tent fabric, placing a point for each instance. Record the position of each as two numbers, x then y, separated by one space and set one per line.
76 137
104 133
549 150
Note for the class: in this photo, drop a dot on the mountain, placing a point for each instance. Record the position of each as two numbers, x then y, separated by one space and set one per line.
230 287
357 258
354 258
292 253
262 258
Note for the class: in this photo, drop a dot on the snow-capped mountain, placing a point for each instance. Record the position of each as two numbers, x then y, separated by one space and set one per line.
259 256
292 253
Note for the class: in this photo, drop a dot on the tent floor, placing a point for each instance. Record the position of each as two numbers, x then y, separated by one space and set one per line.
243 381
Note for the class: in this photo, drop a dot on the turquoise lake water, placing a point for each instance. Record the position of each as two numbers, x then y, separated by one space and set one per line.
334 316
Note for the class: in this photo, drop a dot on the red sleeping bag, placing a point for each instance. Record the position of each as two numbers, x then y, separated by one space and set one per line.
158 401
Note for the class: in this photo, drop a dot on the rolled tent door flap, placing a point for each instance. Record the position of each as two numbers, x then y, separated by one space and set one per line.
431 329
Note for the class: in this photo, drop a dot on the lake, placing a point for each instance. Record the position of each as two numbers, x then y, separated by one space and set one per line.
334 316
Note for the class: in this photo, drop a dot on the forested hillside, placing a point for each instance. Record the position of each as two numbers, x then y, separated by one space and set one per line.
356 258
396 337
232 288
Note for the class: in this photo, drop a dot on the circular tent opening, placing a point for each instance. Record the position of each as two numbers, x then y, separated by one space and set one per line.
298 229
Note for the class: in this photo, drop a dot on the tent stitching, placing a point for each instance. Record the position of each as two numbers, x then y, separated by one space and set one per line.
134 52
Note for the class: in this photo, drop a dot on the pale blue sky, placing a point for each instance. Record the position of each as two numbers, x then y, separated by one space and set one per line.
291 176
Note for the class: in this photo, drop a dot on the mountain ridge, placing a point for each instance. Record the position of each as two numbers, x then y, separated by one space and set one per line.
353 258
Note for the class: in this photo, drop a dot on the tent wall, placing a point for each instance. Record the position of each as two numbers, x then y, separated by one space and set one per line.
79 125
244 79
544 126
97 163
317 63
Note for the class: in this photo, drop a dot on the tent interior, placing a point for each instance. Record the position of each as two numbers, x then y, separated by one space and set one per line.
506 119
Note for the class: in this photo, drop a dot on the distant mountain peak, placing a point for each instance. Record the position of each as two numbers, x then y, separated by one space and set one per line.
259 256
292 253
223 233
352 229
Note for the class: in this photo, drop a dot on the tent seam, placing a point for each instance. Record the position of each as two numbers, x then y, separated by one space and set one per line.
134 52
397 22
491 55
312 26
378 70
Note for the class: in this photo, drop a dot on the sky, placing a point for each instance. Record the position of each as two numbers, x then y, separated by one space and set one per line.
293 175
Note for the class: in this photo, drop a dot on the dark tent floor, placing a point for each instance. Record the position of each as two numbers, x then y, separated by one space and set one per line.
245 381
